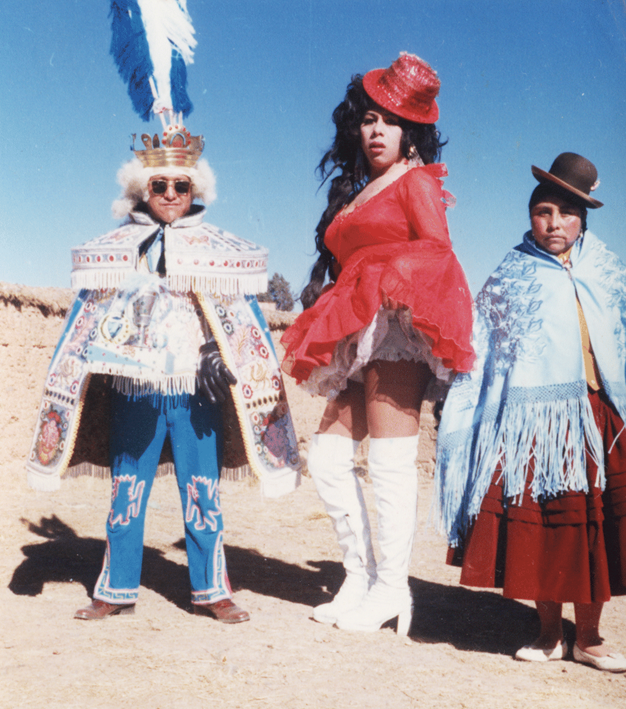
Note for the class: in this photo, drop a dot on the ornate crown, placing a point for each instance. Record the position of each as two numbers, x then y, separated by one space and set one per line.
177 148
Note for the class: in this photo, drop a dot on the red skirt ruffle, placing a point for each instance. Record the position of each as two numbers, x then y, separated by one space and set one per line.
569 549
424 275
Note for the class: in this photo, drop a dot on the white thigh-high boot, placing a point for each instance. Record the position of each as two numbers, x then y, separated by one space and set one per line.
331 464
394 476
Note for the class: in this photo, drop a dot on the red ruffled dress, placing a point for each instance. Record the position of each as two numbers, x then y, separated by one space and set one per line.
396 242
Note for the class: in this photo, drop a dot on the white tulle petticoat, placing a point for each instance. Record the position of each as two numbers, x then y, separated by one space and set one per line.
390 336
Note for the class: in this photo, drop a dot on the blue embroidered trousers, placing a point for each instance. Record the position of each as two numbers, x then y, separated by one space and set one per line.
139 427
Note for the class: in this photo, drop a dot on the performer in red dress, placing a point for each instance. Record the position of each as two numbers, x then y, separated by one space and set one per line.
397 309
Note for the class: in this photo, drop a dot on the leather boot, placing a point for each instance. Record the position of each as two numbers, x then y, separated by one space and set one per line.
331 464
394 476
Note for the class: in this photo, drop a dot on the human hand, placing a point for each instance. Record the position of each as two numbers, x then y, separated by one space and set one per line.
214 377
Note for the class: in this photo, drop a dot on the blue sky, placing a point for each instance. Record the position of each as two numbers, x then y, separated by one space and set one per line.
521 82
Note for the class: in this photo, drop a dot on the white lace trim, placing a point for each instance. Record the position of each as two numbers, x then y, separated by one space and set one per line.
391 337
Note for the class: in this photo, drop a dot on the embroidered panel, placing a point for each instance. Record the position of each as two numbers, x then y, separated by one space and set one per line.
263 399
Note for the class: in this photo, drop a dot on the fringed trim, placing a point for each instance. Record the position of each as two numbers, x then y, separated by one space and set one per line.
96 279
555 434
89 469
104 472
135 385
164 469
239 473
234 284
225 284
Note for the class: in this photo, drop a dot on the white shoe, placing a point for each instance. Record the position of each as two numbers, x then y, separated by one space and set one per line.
394 477
349 596
613 662
331 465
379 606
529 653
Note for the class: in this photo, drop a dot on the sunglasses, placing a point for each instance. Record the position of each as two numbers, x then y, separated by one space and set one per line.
160 186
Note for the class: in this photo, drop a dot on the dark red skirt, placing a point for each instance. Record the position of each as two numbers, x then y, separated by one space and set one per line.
568 549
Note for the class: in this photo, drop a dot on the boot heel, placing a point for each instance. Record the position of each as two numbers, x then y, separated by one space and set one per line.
404 621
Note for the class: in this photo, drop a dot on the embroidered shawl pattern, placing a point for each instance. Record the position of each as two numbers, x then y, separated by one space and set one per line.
527 394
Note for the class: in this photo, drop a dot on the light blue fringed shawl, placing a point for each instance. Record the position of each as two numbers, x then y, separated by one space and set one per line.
527 394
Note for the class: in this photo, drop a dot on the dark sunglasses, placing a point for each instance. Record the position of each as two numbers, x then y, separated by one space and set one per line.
160 186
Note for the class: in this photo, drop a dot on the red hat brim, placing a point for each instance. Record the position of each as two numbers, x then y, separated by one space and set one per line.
382 98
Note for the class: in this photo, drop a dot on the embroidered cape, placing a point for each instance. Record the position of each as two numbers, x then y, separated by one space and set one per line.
103 335
527 394
200 257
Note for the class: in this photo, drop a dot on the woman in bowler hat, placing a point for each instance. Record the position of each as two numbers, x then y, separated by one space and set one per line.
531 458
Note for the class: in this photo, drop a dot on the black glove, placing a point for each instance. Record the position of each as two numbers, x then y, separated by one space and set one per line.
213 375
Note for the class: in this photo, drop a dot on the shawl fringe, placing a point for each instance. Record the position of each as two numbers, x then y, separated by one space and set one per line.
555 434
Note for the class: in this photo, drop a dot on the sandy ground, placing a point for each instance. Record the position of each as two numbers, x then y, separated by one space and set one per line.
282 560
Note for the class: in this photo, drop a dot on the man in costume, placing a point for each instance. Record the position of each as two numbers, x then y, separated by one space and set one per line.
164 330
162 303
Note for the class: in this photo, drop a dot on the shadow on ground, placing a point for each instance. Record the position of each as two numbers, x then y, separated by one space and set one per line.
471 619
468 619
66 557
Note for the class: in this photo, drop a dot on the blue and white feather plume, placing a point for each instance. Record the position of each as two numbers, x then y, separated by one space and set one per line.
152 44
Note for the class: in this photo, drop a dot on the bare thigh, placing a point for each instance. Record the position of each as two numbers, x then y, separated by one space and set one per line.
345 416
387 405
393 397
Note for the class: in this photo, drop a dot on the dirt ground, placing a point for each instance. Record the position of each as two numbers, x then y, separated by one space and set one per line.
282 560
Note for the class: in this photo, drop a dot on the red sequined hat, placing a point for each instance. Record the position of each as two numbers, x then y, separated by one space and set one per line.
408 88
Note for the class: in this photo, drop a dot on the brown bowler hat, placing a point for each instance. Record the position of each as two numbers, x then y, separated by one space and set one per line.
407 88
573 173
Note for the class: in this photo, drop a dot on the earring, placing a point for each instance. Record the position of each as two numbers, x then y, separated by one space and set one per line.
414 157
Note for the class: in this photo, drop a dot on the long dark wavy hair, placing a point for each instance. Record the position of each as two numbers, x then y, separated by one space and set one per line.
345 155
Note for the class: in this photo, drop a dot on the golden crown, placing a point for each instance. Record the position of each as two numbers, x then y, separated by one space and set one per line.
176 148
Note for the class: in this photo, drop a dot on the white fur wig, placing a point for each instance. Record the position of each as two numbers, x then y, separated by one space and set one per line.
134 179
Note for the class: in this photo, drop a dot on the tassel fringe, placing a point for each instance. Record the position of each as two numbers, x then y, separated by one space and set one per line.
555 434
219 285
127 382
52 482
